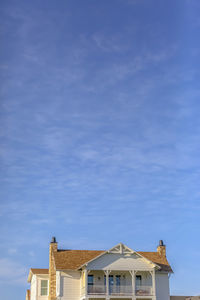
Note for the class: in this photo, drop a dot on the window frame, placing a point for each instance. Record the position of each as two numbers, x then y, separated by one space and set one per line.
44 288
92 282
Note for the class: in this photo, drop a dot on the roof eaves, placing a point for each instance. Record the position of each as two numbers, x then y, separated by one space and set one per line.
86 263
156 265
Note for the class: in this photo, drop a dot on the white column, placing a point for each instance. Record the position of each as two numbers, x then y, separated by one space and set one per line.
86 283
133 284
107 272
153 274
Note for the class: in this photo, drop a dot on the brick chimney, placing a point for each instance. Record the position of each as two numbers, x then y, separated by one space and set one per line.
161 249
52 270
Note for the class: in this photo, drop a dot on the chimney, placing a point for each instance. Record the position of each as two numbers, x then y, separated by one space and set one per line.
161 249
52 270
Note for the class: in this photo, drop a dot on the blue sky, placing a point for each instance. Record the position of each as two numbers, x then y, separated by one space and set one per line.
100 132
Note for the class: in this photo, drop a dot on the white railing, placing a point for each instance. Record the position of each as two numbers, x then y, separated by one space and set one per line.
118 290
143 290
96 289
121 290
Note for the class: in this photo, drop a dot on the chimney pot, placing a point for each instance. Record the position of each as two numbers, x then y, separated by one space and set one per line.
161 243
53 240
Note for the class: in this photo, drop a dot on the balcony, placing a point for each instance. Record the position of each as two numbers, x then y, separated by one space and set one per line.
115 284
121 290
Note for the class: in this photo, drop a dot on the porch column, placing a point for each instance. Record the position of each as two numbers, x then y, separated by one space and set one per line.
133 272
107 272
86 283
153 274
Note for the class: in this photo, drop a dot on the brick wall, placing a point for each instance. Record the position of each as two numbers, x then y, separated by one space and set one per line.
52 271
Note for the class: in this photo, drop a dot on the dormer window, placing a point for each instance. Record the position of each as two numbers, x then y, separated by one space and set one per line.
44 288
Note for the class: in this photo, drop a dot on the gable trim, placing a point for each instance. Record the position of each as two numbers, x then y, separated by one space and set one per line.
120 248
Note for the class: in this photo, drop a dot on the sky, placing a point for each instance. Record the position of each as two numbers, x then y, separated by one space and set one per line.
99 132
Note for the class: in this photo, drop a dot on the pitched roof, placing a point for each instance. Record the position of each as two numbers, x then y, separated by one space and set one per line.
158 259
74 259
39 271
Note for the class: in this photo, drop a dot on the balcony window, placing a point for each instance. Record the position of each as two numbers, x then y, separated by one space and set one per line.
118 279
111 283
138 280
90 283
44 288
118 282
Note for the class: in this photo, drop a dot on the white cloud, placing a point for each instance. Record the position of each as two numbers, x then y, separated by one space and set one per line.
12 251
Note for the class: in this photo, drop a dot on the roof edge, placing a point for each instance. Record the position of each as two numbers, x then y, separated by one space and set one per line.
33 272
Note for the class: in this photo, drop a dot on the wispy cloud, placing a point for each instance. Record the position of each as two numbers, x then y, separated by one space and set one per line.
99 119
12 272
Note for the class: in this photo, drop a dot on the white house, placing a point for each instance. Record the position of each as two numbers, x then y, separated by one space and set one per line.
117 273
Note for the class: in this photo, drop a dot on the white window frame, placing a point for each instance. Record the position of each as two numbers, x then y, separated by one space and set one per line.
44 279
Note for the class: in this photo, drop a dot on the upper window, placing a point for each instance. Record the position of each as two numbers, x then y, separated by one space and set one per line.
44 287
90 279
138 280
118 279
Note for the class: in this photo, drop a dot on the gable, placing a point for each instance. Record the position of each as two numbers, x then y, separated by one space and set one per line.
76 259
120 261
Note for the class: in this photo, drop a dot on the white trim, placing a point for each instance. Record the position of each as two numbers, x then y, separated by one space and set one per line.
58 282
119 249
39 287
122 249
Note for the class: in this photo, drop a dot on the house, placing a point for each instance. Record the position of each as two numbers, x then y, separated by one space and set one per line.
185 298
117 273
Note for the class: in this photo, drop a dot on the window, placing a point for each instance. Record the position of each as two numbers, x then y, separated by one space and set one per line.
90 283
111 283
90 280
138 280
44 287
118 279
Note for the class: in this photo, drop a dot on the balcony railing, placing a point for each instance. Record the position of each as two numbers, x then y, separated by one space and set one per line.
96 289
143 290
121 290
118 290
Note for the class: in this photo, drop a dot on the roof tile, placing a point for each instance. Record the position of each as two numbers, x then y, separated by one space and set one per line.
39 271
74 259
